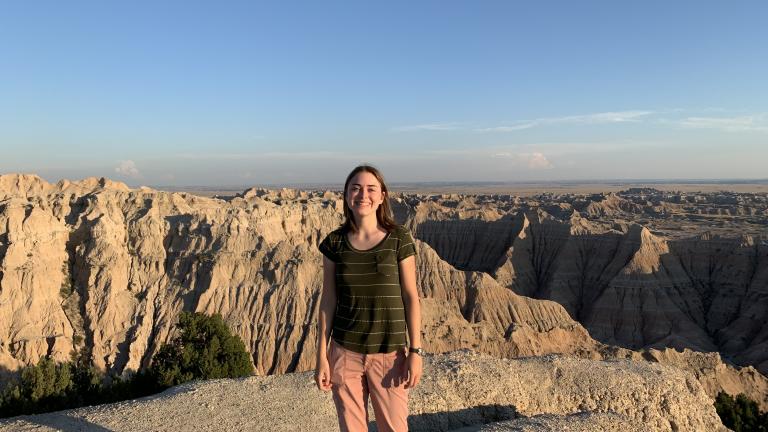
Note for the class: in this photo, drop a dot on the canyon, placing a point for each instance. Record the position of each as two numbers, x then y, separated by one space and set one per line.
96 267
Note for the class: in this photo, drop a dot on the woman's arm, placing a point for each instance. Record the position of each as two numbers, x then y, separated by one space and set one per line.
325 324
412 317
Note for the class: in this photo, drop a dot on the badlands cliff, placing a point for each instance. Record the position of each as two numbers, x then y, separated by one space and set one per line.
98 267
628 286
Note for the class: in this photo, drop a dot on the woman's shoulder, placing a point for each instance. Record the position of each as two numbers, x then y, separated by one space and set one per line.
337 234
401 232
334 237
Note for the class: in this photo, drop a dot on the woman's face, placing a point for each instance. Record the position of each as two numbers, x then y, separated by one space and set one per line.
364 194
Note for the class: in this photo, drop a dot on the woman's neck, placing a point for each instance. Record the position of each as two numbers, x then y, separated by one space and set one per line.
368 226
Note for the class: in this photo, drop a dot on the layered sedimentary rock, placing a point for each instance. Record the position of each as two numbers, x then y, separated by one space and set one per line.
626 285
710 370
95 267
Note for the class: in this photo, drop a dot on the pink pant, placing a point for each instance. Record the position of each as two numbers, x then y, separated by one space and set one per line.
354 376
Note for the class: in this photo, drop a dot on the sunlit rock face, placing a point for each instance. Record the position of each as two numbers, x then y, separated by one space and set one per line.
96 267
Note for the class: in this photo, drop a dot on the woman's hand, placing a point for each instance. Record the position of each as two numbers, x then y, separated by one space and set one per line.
323 374
412 372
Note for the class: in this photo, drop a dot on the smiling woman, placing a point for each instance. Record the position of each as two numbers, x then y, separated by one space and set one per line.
369 304
366 193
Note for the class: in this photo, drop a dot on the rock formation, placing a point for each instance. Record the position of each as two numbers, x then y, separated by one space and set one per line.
101 268
96 267
459 390
628 286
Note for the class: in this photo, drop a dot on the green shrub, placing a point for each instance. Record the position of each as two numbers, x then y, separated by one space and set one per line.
41 387
741 414
205 349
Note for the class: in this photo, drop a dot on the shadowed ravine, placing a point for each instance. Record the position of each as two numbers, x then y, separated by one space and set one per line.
631 289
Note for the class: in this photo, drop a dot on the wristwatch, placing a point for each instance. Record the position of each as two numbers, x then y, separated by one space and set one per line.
419 351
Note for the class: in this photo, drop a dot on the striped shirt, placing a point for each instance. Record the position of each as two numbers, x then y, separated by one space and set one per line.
369 317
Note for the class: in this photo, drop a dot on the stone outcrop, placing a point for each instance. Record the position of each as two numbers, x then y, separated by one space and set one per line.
459 391
628 286
102 269
95 267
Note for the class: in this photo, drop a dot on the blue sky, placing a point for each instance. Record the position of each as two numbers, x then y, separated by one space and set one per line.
241 93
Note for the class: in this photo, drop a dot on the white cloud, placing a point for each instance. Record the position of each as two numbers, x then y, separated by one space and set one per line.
595 118
538 161
758 122
534 161
604 117
127 168
519 126
262 156
427 127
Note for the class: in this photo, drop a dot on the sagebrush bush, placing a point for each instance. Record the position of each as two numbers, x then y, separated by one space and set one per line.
204 349
741 414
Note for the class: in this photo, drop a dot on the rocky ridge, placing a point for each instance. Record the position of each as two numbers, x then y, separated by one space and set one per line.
97 267
627 285
460 391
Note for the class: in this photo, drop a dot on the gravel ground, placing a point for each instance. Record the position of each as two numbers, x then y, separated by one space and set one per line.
460 391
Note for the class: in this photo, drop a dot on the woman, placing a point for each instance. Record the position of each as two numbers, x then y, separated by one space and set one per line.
368 303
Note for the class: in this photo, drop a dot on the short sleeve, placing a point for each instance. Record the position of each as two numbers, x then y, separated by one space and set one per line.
328 248
406 247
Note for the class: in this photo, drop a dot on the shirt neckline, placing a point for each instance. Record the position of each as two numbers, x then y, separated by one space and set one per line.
349 244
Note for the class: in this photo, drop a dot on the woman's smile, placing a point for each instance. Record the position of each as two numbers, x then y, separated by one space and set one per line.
364 193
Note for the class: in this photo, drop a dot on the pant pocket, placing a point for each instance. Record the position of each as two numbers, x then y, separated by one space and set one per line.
393 369
336 362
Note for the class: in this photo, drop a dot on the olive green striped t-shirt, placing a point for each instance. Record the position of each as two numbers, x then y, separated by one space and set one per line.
370 317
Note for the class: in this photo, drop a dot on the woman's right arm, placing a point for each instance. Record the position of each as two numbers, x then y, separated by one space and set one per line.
325 323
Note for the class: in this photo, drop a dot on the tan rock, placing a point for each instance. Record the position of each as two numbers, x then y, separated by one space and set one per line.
96 267
458 389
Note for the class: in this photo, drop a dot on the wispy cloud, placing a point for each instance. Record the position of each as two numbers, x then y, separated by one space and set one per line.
261 156
515 127
604 117
127 168
757 122
427 127
594 118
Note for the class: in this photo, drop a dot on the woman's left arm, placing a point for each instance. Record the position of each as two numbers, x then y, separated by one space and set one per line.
412 317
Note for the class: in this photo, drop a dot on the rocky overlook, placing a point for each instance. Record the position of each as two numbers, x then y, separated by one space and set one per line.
461 392
96 266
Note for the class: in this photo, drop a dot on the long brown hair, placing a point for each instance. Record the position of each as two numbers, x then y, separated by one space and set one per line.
383 213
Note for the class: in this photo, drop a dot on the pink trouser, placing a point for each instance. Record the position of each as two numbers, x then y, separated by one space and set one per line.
354 376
